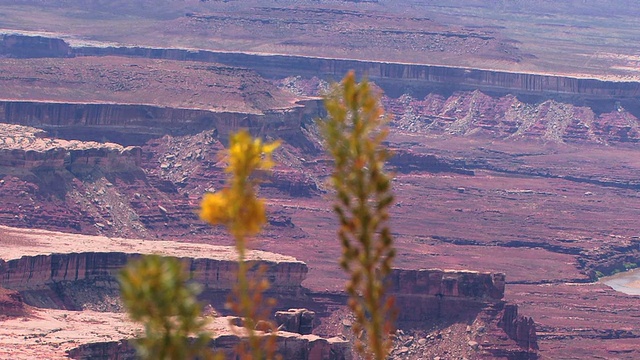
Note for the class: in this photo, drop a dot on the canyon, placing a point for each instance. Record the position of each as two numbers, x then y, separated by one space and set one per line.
80 277
518 178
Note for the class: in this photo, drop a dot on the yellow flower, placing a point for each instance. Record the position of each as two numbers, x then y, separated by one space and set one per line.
251 217
215 208
237 206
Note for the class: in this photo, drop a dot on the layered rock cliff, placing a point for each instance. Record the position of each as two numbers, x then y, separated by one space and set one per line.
13 44
45 267
133 100
135 124
27 148
466 313
289 345
395 75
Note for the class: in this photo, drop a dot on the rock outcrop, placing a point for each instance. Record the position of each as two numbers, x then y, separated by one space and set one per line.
27 148
47 275
392 74
520 328
42 265
11 304
289 345
458 297
32 46
295 320
430 294
448 283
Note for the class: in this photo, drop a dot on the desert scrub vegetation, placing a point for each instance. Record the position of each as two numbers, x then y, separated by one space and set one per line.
354 132
156 293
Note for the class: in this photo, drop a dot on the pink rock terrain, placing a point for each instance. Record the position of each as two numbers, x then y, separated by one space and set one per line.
66 278
524 165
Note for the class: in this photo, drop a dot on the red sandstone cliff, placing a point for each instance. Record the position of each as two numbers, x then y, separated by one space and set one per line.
46 280
392 73
35 46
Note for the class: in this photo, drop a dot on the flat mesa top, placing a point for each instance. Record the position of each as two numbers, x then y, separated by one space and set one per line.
60 330
564 37
26 138
17 243
137 81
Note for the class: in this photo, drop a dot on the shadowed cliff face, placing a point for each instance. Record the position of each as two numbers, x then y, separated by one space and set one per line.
136 124
88 280
46 266
394 76
20 46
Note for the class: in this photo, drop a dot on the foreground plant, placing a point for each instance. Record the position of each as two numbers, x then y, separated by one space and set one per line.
238 208
155 291
354 132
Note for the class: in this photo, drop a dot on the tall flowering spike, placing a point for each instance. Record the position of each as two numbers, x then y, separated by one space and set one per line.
214 209
354 132
236 206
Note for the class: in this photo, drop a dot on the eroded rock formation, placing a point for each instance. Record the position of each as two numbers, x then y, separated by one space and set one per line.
27 148
383 72
296 320
520 328
290 346
42 275
32 46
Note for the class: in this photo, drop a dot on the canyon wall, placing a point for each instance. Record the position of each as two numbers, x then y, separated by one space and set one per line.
430 294
74 160
289 345
406 161
22 46
125 123
385 73
43 279
389 74
434 295
481 286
